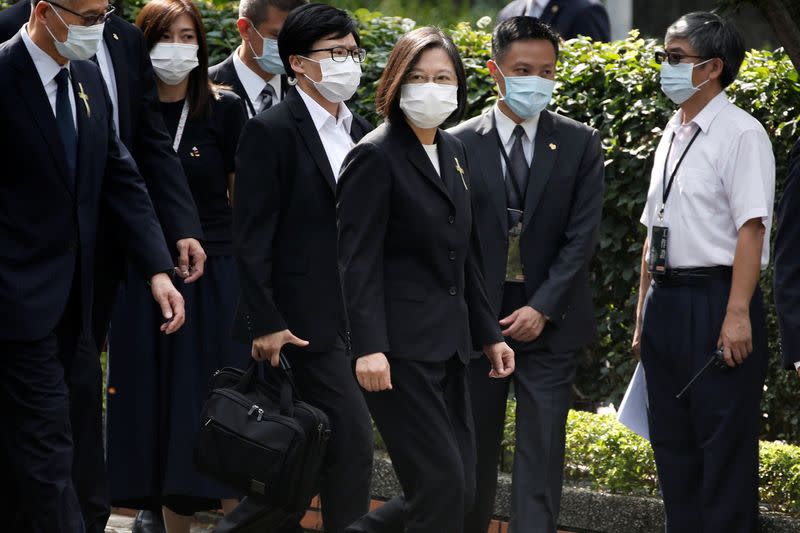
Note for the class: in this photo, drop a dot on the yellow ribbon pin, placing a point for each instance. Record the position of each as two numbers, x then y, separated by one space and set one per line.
461 173
85 97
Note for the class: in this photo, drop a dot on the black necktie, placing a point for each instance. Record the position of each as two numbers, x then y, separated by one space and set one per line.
65 121
516 178
267 96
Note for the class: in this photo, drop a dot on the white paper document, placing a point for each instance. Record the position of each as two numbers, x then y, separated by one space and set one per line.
633 410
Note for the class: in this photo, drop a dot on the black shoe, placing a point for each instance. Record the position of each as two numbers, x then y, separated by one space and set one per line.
148 522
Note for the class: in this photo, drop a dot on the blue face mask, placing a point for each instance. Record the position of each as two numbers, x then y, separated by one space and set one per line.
270 59
676 81
527 96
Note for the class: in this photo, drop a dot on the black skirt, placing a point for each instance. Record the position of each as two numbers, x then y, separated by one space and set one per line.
158 383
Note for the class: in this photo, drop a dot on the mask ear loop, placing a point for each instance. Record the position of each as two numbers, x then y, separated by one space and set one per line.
53 9
700 64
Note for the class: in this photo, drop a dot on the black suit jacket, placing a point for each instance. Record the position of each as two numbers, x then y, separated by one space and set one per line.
787 263
141 128
284 228
563 207
408 250
48 228
224 73
569 18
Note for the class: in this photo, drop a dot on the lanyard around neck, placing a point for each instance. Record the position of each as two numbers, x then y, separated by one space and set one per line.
181 126
509 169
666 188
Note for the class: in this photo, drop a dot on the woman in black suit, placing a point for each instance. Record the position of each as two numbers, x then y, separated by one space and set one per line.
413 286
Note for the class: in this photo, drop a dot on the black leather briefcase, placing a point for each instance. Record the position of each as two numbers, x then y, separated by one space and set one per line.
258 437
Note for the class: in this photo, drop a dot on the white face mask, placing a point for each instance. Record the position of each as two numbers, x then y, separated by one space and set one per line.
173 62
339 79
427 105
82 41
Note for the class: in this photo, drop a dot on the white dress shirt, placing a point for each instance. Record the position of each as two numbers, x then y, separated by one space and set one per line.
253 84
107 70
505 129
535 8
433 154
334 132
48 69
726 179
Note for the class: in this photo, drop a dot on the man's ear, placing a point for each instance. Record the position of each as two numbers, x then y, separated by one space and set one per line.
243 25
296 64
40 12
717 66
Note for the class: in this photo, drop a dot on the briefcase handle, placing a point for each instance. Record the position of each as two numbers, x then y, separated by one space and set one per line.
288 389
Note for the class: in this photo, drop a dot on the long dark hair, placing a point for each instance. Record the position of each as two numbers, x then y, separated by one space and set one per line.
154 19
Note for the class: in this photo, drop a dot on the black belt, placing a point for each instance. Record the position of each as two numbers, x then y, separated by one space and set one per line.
692 277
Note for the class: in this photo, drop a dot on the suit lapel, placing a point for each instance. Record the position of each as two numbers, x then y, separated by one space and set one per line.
32 93
492 169
416 154
545 152
310 136
117 52
237 85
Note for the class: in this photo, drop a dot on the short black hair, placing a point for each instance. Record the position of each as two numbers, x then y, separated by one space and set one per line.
256 10
519 29
310 23
712 36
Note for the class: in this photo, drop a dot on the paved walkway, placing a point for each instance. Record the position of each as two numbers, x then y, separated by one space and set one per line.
122 524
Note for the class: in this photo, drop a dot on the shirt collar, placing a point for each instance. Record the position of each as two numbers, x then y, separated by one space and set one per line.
45 65
321 117
706 116
505 126
253 83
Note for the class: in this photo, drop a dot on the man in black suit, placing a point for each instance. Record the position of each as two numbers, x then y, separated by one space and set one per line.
570 18
284 228
58 132
538 194
125 65
255 70
787 265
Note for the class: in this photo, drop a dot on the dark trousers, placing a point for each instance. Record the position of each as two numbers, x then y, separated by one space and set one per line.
426 423
542 387
325 380
36 441
706 443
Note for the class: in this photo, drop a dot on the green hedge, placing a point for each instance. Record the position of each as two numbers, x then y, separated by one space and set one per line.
614 88
605 455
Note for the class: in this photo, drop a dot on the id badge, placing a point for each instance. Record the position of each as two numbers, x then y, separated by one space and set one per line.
514 264
658 250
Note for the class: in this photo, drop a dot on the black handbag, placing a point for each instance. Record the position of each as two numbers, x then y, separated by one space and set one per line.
258 437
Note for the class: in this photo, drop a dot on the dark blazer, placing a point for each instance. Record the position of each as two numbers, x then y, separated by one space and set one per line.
141 126
48 228
562 212
224 73
787 263
408 250
284 228
569 18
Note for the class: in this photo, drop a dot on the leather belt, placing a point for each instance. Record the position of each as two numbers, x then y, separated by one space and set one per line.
692 277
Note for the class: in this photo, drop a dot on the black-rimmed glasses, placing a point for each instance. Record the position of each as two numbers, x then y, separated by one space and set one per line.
340 53
88 20
673 58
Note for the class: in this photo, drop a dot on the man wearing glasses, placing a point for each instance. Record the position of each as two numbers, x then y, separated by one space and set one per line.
708 217
59 136
125 66
284 228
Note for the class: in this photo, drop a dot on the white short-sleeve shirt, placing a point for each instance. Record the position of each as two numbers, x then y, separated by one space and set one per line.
726 179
